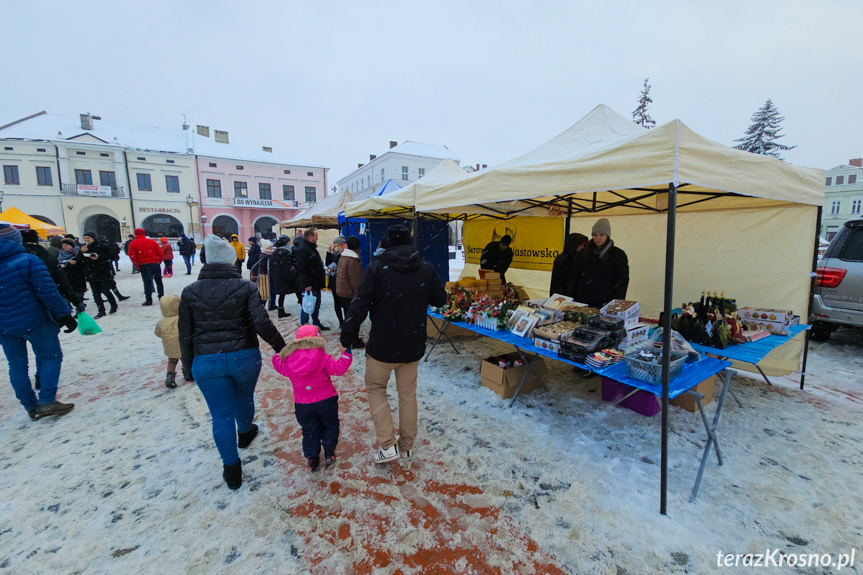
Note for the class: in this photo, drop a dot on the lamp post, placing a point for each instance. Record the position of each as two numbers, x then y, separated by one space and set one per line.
203 223
190 201
1 200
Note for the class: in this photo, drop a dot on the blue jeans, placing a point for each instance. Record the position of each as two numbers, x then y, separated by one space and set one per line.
49 356
188 260
304 317
151 273
228 382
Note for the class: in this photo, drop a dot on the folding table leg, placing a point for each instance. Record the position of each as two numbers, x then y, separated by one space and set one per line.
711 429
440 332
763 374
529 364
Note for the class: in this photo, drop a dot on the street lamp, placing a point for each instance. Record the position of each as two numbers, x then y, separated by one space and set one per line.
190 201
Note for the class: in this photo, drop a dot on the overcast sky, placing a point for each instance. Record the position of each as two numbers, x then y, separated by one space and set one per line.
329 83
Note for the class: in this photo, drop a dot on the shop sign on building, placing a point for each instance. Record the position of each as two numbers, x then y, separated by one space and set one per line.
256 203
100 191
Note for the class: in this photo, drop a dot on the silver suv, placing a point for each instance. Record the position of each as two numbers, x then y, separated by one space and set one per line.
838 297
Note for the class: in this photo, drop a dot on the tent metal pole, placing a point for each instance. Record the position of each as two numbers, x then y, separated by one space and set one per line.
566 224
811 296
666 340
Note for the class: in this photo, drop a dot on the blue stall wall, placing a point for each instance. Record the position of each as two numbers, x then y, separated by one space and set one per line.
432 241
352 228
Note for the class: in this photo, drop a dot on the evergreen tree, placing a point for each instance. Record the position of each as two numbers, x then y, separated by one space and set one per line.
640 115
761 136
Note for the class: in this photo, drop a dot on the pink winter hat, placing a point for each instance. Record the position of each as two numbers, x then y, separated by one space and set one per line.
307 330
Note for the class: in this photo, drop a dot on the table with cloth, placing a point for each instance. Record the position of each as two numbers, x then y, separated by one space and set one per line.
693 373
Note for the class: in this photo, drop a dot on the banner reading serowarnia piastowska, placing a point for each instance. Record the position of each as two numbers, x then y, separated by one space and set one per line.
535 241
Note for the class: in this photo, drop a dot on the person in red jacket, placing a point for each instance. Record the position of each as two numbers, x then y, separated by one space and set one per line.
147 256
167 257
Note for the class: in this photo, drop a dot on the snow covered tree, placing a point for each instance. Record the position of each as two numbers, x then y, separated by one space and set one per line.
761 136
640 115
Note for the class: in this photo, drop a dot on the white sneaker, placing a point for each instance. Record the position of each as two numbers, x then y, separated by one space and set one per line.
407 455
384 455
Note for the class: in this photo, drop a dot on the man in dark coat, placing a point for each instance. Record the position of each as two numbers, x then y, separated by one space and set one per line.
30 309
187 249
253 257
283 276
128 241
561 269
98 270
496 256
310 271
296 243
601 271
396 290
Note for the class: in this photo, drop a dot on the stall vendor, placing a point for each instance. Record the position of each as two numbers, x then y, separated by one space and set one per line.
601 270
565 262
497 256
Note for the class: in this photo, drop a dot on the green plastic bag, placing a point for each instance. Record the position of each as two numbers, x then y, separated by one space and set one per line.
87 325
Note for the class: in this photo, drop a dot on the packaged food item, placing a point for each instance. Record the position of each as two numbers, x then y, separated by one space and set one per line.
606 322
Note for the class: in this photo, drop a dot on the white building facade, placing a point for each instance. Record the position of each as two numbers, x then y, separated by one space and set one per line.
843 197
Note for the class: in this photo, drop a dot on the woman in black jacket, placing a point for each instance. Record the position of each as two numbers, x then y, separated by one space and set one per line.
601 271
221 317
283 276
561 269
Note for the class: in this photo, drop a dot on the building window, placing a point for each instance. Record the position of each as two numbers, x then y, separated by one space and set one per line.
81 153
241 190
108 179
369 181
288 193
214 188
287 171
239 167
834 207
831 232
40 149
404 172
852 179
83 178
8 148
169 161
103 154
310 174
43 176
172 183
855 206
142 158
382 174
829 181
421 172
144 183
212 164
311 194
265 191
840 180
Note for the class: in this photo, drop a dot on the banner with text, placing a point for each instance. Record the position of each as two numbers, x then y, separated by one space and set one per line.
535 241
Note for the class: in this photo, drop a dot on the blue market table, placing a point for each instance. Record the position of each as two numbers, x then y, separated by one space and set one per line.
692 374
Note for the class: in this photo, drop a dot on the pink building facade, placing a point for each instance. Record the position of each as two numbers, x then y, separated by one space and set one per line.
252 197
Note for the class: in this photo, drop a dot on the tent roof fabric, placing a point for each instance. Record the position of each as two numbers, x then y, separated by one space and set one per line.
324 213
605 163
402 202
15 216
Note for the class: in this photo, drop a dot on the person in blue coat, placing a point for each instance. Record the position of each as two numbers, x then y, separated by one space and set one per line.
30 309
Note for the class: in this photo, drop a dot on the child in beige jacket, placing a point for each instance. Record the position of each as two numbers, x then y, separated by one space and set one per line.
166 328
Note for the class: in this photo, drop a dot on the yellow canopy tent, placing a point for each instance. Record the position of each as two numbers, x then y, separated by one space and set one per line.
735 221
15 216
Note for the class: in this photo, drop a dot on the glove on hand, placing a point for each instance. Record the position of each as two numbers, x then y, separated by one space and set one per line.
70 323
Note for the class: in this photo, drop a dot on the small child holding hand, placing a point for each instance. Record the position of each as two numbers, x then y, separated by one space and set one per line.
307 364
166 329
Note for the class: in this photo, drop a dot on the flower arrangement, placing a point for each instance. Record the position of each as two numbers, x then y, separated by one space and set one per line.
466 306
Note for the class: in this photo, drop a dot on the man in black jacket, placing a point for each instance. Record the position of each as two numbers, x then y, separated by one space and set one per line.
561 269
310 271
396 290
497 256
98 270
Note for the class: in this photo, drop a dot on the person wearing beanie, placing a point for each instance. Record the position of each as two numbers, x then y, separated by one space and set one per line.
239 251
601 270
167 257
187 250
564 262
497 256
30 241
221 316
98 269
349 274
283 278
310 271
254 256
30 310
395 292
306 363
146 255
332 264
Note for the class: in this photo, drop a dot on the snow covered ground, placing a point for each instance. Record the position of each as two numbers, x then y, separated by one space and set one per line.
130 481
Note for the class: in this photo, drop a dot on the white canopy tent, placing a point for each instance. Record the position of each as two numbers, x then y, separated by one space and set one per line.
324 213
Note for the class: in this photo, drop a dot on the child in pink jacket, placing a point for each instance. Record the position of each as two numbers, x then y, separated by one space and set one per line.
307 364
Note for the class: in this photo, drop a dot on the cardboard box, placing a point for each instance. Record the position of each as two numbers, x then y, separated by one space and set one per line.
504 382
635 335
764 315
629 315
687 402
452 331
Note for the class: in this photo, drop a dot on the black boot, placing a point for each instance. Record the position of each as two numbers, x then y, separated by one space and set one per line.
245 439
233 475
148 301
120 296
283 313
170 381
100 314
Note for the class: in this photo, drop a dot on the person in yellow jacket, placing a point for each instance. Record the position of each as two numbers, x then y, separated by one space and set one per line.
241 252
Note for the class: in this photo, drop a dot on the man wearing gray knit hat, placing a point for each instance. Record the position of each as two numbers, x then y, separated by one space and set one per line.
601 272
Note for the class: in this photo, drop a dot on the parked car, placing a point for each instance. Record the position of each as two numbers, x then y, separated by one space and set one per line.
838 297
